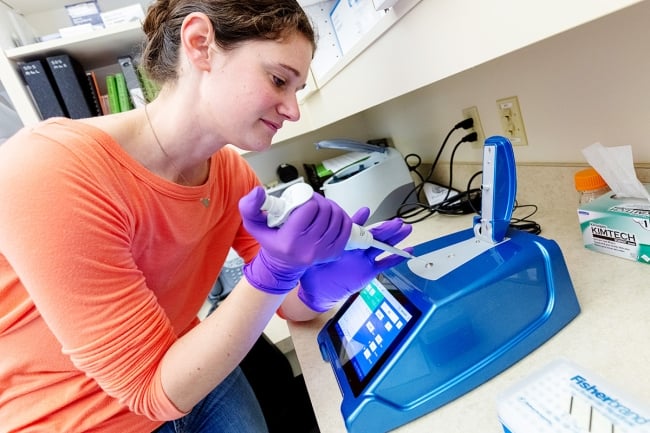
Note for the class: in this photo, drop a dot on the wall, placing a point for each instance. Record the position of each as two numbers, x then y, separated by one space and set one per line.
588 84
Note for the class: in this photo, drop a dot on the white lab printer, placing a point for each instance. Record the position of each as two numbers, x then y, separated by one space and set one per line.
377 177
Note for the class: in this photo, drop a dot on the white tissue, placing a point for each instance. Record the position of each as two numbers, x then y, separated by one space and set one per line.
616 166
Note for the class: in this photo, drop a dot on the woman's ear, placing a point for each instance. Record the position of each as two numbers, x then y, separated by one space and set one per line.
197 35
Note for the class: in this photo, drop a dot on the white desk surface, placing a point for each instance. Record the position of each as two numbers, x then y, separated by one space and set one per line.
611 335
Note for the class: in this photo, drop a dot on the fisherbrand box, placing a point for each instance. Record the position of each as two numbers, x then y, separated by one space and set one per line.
617 226
566 398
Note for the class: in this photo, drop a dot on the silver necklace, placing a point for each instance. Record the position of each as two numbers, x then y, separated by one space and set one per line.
205 201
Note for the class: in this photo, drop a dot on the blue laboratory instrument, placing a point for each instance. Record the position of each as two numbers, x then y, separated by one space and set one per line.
469 306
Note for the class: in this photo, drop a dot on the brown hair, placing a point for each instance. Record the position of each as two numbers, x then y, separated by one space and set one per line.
234 22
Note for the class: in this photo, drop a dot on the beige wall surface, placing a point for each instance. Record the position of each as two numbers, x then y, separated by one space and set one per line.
586 85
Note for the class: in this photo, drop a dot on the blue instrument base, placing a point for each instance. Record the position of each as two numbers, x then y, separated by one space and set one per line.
473 323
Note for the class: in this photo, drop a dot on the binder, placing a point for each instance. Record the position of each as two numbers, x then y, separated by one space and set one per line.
95 92
111 90
103 100
41 85
73 85
133 84
122 92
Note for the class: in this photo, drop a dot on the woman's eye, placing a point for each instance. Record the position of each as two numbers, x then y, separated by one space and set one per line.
279 82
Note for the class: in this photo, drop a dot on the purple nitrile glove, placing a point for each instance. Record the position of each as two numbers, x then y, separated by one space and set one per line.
324 285
315 232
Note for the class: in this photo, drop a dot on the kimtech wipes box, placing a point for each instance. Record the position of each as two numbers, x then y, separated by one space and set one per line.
566 398
617 226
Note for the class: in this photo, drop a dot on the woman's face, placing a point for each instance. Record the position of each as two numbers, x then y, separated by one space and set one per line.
252 89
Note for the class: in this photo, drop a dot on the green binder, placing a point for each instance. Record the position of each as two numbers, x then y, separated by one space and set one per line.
122 92
111 90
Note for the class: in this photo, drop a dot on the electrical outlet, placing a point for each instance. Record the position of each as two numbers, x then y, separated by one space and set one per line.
478 128
512 123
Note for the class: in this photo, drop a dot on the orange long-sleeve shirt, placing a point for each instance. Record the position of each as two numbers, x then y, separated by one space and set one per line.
102 266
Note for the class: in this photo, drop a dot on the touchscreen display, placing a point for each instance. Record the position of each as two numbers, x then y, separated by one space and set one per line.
369 328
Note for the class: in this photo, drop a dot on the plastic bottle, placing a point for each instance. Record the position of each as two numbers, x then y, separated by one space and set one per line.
590 185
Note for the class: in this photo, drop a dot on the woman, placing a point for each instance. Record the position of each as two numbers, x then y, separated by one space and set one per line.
113 229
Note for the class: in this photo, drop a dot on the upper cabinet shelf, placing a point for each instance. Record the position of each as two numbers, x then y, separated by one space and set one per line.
93 48
428 41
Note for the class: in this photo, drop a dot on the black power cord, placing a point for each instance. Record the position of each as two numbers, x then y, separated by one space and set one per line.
524 223
468 201
415 211
462 203
463 124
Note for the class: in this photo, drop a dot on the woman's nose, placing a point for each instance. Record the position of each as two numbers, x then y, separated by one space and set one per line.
289 108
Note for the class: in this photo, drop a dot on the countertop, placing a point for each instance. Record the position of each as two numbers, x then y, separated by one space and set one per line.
611 335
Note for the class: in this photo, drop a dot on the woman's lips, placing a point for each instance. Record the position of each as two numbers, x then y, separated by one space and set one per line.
272 125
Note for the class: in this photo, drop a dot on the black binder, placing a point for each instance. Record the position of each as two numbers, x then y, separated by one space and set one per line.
43 89
73 85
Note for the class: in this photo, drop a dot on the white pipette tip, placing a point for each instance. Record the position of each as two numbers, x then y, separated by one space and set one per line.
392 250
399 252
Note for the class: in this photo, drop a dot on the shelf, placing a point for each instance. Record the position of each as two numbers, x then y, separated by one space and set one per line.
93 48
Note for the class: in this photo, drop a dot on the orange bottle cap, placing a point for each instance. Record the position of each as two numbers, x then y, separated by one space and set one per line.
588 179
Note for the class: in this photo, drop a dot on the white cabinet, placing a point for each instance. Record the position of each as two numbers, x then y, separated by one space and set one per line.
417 43
435 39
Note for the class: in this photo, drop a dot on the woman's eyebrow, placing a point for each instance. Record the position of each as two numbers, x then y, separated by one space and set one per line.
290 69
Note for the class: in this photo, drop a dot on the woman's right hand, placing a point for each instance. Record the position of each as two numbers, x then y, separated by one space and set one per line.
316 232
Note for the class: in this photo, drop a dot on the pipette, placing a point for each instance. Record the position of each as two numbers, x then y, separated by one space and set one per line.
279 208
